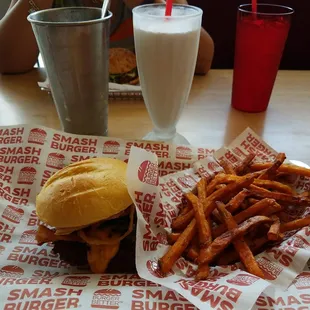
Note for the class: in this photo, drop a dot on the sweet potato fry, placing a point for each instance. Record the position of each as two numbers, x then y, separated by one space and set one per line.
176 250
227 166
275 208
274 230
220 243
297 224
274 185
252 201
218 180
216 217
236 201
202 272
240 169
232 256
173 237
233 204
209 203
180 222
219 186
247 213
271 172
244 205
285 168
201 188
186 209
281 197
203 225
192 253
246 256
268 184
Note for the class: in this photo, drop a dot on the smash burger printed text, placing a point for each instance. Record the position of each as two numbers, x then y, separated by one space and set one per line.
161 150
167 167
43 298
6 231
37 256
15 195
20 155
151 298
247 142
114 280
226 297
6 173
11 135
74 144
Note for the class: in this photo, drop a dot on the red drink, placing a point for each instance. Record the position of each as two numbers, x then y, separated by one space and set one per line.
260 42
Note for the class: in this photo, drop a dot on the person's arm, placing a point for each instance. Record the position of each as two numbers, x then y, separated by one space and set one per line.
205 53
206 45
18 47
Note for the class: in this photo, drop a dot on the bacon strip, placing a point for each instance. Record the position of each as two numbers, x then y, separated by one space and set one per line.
45 235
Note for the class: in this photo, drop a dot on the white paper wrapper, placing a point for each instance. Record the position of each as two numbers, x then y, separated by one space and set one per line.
32 277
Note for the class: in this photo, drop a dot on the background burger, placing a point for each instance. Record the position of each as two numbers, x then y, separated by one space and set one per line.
123 66
88 214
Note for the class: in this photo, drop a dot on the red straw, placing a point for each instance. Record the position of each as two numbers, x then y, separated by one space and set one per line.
169 7
254 6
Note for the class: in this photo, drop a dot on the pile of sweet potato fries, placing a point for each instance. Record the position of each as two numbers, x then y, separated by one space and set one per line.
236 215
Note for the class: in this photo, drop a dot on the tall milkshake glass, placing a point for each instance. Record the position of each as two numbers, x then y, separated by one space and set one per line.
166 49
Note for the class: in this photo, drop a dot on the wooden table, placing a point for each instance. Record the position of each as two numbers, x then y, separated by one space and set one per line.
207 120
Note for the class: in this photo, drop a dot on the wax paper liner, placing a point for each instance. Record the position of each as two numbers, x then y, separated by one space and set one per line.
158 200
32 277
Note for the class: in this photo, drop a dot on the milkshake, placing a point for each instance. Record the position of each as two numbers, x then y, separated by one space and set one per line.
166 49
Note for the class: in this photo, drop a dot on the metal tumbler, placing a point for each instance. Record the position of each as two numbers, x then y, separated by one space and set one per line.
74 43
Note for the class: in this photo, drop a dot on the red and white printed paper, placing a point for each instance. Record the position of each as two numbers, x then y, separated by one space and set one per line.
32 277
158 200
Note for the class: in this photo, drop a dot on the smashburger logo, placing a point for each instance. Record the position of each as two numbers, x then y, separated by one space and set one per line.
37 136
11 271
187 181
79 281
111 147
2 249
106 299
148 173
28 237
183 152
302 282
13 214
26 175
55 160
153 267
270 269
243 279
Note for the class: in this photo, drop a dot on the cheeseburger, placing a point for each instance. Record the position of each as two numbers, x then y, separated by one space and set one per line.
122 66
88 215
